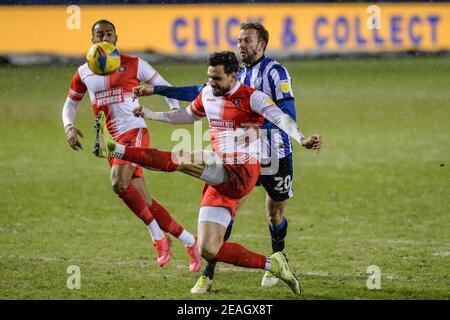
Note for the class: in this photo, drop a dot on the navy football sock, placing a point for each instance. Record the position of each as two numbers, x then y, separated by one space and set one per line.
228 232
209 270
278 233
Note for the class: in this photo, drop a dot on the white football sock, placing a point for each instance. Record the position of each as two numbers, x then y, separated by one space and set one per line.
186 238
214 172
268 265
119 151
155 231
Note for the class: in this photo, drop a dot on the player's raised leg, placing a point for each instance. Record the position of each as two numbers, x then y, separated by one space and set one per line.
203 165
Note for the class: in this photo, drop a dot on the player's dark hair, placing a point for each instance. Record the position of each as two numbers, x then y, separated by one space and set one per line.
103 21
263 34
226 58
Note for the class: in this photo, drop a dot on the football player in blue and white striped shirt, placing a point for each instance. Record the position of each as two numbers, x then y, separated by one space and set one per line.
269 76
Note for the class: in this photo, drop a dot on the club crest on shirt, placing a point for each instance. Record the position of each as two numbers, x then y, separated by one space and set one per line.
258 81
236 101
123 68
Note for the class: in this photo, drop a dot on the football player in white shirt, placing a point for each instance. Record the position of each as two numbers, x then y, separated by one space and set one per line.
113 95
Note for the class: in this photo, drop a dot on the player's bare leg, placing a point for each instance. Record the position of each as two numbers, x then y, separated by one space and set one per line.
191 163
204 283
121 183
210 236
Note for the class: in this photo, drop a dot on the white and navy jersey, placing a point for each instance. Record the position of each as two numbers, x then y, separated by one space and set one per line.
270 77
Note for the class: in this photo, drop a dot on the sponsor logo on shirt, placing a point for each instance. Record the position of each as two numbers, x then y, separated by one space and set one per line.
269 101
221 124
107 97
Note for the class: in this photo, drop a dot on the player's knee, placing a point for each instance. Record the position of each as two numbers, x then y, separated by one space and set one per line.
148 201
209 251
208 254
274 219
119 187
275 215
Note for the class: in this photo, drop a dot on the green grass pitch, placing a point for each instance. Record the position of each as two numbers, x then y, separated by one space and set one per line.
377 194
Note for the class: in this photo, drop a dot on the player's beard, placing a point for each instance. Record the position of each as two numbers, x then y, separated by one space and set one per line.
248 57
219 91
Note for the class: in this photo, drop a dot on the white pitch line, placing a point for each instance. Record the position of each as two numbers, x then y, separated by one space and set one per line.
441 254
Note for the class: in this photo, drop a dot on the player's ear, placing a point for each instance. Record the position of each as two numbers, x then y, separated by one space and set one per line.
117 37
263 45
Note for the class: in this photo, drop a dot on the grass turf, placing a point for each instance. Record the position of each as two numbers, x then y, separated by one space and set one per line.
375 194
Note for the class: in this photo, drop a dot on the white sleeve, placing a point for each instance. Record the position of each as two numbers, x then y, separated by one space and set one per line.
182 116
147 74
69 112
264 105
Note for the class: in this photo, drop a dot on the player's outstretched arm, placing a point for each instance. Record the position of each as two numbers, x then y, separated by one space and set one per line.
188 93
181 116
288 125
263 105
179 93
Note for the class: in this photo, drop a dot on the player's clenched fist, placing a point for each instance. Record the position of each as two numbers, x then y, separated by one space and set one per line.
138 112
72 138
313 142
144 90
250 135
145 113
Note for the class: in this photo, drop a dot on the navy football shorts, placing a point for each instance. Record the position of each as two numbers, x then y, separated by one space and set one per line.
279 184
